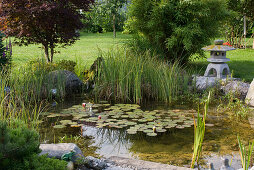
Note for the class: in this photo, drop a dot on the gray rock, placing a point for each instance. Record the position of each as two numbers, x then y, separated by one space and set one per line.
71 81
238 88
57 150
142 165
250 95
202 82
95 163
226 165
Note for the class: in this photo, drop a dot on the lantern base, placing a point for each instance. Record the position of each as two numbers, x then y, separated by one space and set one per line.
219 70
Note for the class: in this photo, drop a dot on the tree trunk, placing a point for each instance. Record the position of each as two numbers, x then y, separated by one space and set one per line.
114 25
46 50
51 53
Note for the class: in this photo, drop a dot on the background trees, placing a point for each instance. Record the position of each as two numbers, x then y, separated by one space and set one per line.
178 28
107 15
46 22
234 28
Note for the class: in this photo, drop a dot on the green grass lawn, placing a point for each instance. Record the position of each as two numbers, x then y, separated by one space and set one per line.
85 49
241 64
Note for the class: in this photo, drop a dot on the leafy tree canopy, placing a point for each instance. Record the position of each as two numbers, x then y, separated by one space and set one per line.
49 22
179 28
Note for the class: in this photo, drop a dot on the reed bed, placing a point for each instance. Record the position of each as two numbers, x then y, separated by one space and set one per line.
126 76
26 91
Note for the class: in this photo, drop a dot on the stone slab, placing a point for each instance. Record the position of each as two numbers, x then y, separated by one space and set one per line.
57 150
143 165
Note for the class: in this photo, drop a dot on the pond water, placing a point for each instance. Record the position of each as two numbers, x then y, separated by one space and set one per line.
128 131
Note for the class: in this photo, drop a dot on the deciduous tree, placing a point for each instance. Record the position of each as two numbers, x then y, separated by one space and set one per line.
48 22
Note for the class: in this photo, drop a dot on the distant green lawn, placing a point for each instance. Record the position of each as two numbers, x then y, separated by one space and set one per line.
85 49
241 64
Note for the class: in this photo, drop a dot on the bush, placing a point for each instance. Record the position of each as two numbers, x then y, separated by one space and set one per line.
133 77
179 28
17 142
66 65
19 148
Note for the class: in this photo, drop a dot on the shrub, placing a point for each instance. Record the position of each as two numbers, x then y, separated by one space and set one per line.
66 65
179 28
132 77
17 142
19 148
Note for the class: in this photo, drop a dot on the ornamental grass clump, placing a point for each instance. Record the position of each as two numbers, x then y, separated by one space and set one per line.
126 76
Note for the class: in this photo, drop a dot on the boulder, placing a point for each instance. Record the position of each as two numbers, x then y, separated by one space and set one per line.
58 150
72 83
238 88
250 95
202 82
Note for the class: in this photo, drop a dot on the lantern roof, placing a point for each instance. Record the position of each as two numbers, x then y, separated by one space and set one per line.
218 47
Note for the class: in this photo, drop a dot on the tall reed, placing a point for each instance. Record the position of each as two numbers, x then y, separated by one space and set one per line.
126 76
199 133
245 154
24 92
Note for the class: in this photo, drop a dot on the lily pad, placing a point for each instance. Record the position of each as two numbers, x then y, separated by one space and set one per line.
151 134
59 126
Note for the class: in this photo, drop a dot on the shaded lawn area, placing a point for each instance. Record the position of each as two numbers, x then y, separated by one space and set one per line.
241 64
84 50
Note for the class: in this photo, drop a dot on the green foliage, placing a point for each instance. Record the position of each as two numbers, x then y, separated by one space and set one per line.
5 54
134 77
230 103
100 17
19 148
179 28
199 133
17 141
66 65
245 154
234 27
1 44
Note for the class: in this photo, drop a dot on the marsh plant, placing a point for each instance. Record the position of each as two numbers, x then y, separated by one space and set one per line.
199 133
127 76
234 106
245 154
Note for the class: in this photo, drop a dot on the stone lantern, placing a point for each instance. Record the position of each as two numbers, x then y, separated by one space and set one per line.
218 67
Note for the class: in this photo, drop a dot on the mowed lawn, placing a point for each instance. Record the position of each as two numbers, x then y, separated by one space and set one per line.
241 64
85 50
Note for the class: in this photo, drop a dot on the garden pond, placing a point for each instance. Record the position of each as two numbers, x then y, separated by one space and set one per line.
152 132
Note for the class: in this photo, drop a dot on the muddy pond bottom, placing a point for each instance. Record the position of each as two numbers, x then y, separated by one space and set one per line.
158 134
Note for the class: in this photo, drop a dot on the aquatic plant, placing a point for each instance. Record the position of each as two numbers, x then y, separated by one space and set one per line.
231 104
244 153
126 76
128 117
199 133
